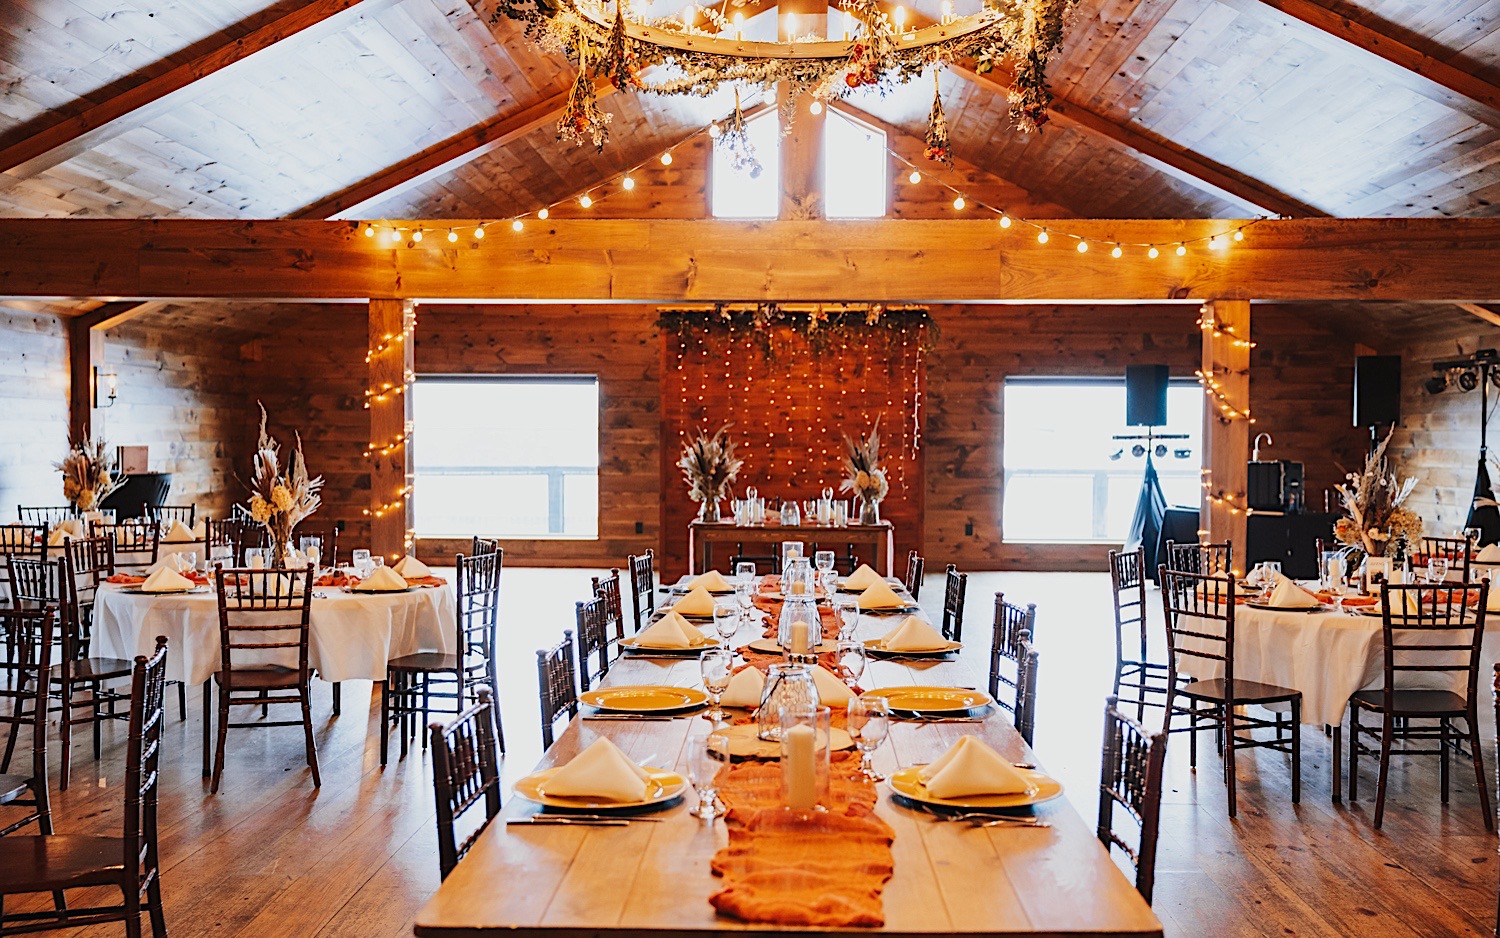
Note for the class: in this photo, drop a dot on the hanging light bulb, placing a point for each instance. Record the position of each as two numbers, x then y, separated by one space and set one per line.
815 108
479 233
914 178
416 236
586 201
1083 246
1042 237
714 131
1004 220
1116 252
666 159
543 213
959 203
1181 249
627 183
1214 243
1239 234
1153 253
452 236
516 225
369 231
395 236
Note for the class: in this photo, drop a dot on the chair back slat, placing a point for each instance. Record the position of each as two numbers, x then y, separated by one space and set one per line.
143 763
955 588
1431 628
1208 559
48 516
916 567
325 536
87 562
557 680
166 514
262 610
136 543
593 641
1127 579
484 545
1456 550
478 595
466 771
23 701
1130 779
1201 596
1013 662
642 588
607 589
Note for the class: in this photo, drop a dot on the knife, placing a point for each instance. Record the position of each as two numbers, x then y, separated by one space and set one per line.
595 822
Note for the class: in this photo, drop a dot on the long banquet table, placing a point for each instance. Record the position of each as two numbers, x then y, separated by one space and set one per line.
653 879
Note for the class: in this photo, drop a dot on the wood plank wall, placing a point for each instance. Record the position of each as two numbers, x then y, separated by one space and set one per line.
33 409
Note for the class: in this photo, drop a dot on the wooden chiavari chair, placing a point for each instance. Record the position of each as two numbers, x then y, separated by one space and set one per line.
485 545
1142 681
1455 550
77 671
1428 632
46 515
916 566
1011 651
21 540
607 588
135 543
56 862
23 703
166 514
465 771
642 588
413 681
593 641
1199 612
1206 559
327 538
1130 777
268 613
238 534
557 681
954 590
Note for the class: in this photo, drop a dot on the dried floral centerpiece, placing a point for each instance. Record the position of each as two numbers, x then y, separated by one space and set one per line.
280 498
1372 502
87 474
863 475
708 464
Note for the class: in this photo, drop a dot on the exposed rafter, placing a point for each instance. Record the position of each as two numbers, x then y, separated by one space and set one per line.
71 136
1483 312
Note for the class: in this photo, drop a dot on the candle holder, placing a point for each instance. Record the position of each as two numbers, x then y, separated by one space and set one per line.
805 733
788 687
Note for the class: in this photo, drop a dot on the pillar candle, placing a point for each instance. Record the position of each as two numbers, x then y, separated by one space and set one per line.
801 772
799 638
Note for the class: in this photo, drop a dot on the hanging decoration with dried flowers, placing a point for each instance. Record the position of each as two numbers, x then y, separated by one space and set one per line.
939 150
812 326
734 140
582 118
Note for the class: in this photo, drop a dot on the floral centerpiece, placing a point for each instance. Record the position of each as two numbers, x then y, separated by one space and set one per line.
863 475
1372 502
87 475
280 497
708 465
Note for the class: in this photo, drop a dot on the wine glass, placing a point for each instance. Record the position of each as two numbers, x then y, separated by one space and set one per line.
715 666
848 618
1437 569
829 581
852 659
707 754
361 561
823 560
726 621
869 722
744 571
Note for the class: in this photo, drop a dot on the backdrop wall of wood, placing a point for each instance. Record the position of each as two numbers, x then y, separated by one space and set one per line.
33 408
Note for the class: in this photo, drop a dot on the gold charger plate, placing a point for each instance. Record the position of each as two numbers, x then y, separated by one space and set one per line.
661 787
772 647
908 784
916 699
745 744
644 698
877 645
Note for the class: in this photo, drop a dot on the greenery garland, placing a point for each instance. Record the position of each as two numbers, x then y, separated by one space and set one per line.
820 327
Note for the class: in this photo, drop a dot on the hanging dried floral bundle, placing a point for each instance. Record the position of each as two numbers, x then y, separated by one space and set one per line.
1372 500
734 140
280 497
939 150
708 465
582 118
862 473
87 474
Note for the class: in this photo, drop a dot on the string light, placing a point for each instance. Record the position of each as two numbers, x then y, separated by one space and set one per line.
1213 389
1239 234
543 213
369 231
452 236
914 178
517 225
959 203
416 236
479 233
815 108
1181 249
1153 253
1004 220
627 183
1116 252
666 158
586 201
1083 247
1041 237
1208 322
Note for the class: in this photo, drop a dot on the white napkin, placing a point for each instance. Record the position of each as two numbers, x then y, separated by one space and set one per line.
72 527
832 692
381 580
600 771
670 631
177 563
744 689
178 533
970 767
696 603
913 635
879 595
1490 553
862 578
166 581
200 530
413 569
279 586
713 581
1288 595
1492 604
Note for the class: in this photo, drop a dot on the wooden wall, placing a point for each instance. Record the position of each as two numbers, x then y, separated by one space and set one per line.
33 409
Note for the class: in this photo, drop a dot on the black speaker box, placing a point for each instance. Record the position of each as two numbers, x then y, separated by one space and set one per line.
1146 395
1377 390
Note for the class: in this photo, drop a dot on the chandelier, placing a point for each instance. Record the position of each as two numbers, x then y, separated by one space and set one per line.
701 50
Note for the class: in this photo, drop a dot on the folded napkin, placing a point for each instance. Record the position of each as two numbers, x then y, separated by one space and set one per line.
166 581
713 581
178 533
744 688
696 603
970 767
832 692
1492 604
72 527
879 595
177 563
200 530
1288 595
862 578
913 635
382 579
670 631
1490 553
413 569
600 771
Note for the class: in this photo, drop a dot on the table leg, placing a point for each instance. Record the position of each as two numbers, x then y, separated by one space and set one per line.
1338 764
208 723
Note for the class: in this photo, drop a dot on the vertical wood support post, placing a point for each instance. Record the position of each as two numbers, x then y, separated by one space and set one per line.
388 397
1227 422
802 147
85 354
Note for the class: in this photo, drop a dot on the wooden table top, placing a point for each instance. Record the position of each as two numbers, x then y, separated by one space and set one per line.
651 879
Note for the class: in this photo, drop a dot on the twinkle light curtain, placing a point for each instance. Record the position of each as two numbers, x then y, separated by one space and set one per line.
791 381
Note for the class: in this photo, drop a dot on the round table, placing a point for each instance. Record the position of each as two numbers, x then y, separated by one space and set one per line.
351 635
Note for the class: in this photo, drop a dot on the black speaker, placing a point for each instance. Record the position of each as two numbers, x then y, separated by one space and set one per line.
1377 390
1146 395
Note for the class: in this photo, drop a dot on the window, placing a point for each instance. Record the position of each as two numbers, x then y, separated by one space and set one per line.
506 457
742 192
1066 479
854 170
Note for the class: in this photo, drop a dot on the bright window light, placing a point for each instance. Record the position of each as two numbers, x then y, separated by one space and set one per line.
854 167
738 194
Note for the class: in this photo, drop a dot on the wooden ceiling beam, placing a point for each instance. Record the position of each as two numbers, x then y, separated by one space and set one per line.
621 261
134 106
1482 312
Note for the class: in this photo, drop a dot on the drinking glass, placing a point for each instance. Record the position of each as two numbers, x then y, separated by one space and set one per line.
829 581
362 565
726 621
1472 535
707 753
823 560
744 597
191 556
848 618
1437 569
744 571
377 560
715 666
852 659
869 722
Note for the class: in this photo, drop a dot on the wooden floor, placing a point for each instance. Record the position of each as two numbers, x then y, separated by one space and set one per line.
271 856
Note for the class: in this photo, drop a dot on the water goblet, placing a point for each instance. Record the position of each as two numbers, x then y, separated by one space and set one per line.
361 562
823 560
715 666
848 618
869 722
1437 569
829 581
707 754
726 621
744 571
852 660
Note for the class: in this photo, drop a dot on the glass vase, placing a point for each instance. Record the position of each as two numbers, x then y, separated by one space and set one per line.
869 511
708 510
788 687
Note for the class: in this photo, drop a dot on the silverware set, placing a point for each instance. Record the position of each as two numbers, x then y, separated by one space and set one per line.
583 820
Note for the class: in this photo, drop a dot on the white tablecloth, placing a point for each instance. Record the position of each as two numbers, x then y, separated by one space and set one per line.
1325 655
351 636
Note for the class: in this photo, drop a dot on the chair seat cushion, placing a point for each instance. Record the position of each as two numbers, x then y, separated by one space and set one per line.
1413 702
13 787
86 669
424 661
43 863
1244 691
267 678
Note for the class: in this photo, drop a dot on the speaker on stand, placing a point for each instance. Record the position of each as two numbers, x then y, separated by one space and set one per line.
1377 393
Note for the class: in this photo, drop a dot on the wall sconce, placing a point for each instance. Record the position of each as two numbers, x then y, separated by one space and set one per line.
105 385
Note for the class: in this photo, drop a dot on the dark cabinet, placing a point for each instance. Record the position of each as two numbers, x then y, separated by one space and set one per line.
1290 539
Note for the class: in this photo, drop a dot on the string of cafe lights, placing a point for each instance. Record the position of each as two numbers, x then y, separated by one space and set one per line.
387 392
1210 323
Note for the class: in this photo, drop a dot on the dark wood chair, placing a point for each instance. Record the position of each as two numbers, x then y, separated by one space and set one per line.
485 545
45 515
1207 559
557 683
238 534
327 537
1138 679
23 704
81 678
1013 664
642 588
165 514
465 771
916 566
607 588
593 642
1455 550
135 543
1130 777
57 862
1206 599
1427 631
21 540
413 682
267 613
954 590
